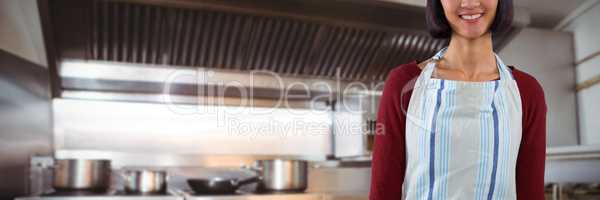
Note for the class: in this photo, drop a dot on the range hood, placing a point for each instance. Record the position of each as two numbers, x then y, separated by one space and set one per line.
349 40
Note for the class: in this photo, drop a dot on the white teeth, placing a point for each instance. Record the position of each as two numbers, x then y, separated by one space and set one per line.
468 17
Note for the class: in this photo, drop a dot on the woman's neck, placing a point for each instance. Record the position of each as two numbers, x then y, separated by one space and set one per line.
471 57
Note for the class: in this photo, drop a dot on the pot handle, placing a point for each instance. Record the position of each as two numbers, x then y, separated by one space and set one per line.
52 165
255 169
124 174
238 182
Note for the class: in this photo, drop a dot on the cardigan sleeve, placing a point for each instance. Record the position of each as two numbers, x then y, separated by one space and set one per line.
532 151
389 153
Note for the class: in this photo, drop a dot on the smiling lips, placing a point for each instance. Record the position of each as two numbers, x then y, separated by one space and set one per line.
471 18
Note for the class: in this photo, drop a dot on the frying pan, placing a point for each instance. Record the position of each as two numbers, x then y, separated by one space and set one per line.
219 185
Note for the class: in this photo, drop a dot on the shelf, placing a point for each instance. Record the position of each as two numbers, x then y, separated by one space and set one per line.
573 152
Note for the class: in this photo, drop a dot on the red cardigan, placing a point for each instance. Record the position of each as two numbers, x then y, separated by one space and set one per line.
389 154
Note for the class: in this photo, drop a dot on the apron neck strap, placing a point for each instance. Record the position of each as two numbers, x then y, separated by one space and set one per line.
505 73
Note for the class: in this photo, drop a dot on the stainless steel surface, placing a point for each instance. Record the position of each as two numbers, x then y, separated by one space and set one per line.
172 129
145 181
123 159
187 100
75 174
351 124
589 152
25 121
338 183
330 12
364 163
40 174
242 35
583 156
118 77
303 196
282 175
339 180
199 36
100 197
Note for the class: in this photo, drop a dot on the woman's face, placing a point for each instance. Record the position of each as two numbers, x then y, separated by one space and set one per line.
470 18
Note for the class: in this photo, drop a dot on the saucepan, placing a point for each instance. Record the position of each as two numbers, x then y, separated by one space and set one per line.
281 175
219 185
81 174
145 181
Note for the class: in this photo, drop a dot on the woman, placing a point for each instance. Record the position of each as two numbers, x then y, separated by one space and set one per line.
461 125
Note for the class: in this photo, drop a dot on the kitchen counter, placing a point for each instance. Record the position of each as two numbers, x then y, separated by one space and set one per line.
116 197
301 196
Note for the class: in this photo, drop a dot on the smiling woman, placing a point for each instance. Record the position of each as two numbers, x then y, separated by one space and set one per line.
462 124
488 14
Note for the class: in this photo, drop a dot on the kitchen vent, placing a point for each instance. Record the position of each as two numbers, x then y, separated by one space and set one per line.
152 34
207 34
126 32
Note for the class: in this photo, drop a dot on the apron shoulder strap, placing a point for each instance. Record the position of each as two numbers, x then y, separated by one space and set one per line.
511 69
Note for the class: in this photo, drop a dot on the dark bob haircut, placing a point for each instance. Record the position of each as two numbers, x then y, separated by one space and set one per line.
438 26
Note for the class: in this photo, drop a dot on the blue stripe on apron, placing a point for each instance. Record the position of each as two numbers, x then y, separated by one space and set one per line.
441 142
444 140
495 159
421 181
432 141
499 189
502 186
448 139
484 174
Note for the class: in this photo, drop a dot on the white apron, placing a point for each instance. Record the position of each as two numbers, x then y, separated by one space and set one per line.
462 138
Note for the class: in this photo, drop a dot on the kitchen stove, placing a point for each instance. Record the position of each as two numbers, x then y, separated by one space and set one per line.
97 195
79 193
100 193
173 195
178 190
272 196
278 192
244 195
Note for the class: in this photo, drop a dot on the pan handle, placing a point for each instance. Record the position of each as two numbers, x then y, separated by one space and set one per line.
255 169
240 182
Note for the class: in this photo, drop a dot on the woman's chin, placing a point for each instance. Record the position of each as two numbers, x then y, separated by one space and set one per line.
471 34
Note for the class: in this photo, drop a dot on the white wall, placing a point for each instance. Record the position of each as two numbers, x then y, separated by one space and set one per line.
20 30
548 56
586 30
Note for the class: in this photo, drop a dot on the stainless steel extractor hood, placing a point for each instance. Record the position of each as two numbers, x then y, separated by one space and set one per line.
350 40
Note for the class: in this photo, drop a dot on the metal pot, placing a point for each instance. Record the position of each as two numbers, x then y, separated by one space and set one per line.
81 174
145 181
218 185
281 175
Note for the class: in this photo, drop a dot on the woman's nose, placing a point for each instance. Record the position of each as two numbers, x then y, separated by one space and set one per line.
469 3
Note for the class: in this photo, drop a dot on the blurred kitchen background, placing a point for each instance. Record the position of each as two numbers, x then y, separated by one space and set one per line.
135 82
